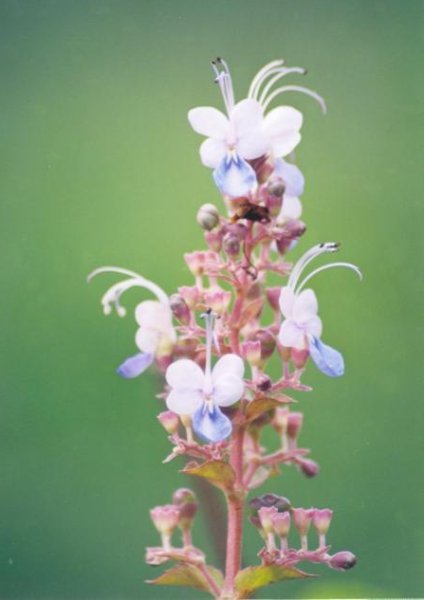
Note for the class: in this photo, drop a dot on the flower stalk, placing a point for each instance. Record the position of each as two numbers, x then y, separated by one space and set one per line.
202 337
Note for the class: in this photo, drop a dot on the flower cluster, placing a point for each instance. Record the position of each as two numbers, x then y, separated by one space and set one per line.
213 340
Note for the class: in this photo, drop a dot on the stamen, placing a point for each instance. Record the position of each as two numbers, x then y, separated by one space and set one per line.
296 88
330 266
209 318
259 75
280 74
223 79
112 297
306 259
136 280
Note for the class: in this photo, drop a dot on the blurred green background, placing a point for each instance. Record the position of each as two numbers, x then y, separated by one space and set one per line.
99 166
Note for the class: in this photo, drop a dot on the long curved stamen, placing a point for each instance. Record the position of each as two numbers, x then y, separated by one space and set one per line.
137 280
223 79
296 88
306 258
209 318
329 266
280 73
258 78
113 295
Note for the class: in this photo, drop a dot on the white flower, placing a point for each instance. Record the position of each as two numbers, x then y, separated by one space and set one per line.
156 335
245 133
302 327
201 393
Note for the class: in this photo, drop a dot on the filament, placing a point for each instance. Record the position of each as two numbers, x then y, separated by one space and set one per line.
280 73
330 266
137 280
296 88
306 259
258 78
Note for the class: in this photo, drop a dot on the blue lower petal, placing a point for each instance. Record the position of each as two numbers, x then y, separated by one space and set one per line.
328 360
211 425
234 176
135 365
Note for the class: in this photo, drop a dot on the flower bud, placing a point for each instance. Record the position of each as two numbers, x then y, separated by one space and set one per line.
321 520
251 351
294 424
179 308
214 240
267 341
169 421
231 244
342 561
264 383
186 501
279 502
208 216
273 296
309 467
273 204
276 186
165 518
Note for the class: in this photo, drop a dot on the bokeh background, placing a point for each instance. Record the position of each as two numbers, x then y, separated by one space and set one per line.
99 166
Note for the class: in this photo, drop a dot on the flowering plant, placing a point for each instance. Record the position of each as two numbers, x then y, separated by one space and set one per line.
215 412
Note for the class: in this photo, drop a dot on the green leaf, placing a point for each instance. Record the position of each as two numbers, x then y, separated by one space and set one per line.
253 578
217 472
258 406
188 576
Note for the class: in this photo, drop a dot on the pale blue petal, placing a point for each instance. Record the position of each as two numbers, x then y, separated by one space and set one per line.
292 176
135 365
211 426
234 176
328 360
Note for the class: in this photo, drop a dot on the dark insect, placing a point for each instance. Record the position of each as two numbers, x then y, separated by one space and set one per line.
251 212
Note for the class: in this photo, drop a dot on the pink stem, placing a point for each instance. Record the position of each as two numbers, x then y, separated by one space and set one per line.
213 586
235 515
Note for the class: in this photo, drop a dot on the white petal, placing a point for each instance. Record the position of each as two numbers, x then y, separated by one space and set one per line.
152 313
212 151
292 176
229 364
291 336
184 402
313 326
227 390
147 339
185 374
287 298
246 115
252 144
291 209
209 121
282 126
305 306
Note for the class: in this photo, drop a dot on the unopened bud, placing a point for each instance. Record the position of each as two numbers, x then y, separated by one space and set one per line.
231 244
214 240
186 501
179 308
165 518
342 561
273 296
169 421
183 495
208 216
267 341
309 467
276 186
280 502
264 383
273 204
